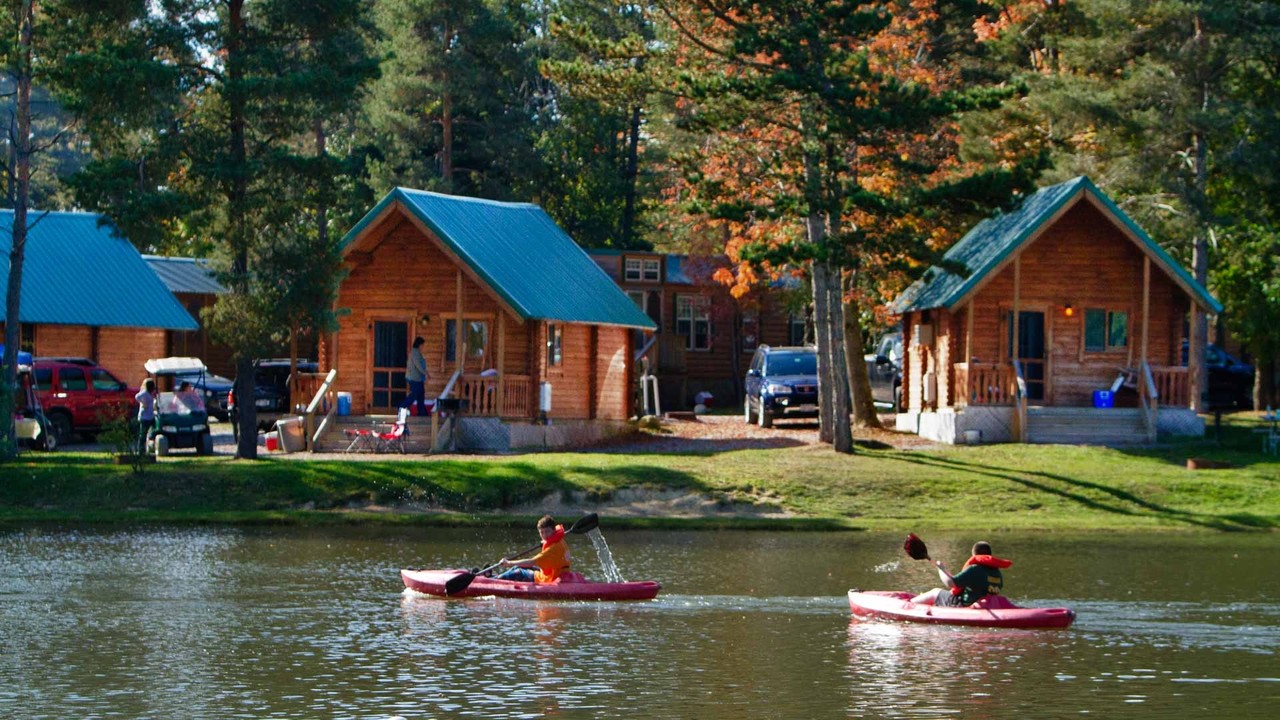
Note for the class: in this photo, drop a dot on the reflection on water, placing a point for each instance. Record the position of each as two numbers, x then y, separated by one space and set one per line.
289 623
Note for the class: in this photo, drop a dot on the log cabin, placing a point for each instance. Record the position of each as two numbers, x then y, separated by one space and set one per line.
704 337
1095 355
86 292
527 341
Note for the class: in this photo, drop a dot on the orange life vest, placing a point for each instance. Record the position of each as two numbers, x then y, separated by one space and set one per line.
553 561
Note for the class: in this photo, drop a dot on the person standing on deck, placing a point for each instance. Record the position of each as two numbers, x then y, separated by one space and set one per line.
415 374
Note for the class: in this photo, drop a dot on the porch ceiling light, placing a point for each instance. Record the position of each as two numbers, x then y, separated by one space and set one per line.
1068 310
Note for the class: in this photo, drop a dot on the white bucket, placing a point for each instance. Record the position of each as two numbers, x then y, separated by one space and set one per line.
972 437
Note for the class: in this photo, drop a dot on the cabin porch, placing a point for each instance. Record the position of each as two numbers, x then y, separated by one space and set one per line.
994 402
474 413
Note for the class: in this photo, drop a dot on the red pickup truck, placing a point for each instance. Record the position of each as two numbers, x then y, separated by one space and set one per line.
79 396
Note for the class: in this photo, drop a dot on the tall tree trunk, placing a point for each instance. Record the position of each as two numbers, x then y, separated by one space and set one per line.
864 408
22 196
1200 268
631 176
842 432
237 219
446 120
833 389
446 143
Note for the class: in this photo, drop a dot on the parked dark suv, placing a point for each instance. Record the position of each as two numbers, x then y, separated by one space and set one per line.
1230 380
782 383
270 392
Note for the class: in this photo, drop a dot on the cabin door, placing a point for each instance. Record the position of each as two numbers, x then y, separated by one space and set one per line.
1031 347
390 356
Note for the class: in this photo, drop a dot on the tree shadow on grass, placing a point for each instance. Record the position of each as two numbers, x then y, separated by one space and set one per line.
1119 502
480 485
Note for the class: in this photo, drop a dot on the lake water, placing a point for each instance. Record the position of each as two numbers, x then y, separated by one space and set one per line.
314 623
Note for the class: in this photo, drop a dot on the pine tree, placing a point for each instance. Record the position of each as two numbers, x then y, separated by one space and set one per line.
451 112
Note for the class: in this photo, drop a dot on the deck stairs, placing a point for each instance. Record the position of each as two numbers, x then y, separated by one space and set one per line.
1086 426
335 440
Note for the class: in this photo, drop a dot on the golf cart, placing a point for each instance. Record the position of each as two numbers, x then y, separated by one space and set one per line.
181 418
31 427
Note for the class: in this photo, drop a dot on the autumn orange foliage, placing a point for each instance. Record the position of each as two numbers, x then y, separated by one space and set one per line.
758 166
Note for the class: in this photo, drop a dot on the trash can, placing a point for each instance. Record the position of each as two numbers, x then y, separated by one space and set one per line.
344 403
291 435
1104 399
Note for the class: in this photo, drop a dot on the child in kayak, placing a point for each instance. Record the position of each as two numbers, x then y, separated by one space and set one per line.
549 564
979 578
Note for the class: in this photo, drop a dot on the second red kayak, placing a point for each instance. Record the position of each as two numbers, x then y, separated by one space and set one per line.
431 582
991 611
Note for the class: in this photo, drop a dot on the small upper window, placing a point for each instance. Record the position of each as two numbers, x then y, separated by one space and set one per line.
642 270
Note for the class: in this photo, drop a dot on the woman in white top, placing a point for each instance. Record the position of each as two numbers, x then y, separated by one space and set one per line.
146 398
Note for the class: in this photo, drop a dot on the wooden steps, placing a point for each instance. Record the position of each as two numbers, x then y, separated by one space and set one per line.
418 441
1086 426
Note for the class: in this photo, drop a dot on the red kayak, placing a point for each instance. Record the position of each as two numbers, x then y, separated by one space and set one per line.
573 587
991 611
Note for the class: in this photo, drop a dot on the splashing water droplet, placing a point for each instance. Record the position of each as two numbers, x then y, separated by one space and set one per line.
610 569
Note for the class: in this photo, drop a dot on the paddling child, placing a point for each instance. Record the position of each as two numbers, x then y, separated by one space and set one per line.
549 564
979 578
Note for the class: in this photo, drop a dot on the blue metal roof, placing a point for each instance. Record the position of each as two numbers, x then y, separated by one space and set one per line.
992 241
521 254
185 275
77 271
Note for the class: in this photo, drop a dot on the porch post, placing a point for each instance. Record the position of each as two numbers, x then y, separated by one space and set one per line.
1017 306
968 334
459 350
1146 303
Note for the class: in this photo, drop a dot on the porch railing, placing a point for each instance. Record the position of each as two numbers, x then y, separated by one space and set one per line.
1173 384
482 397
323 402
985 384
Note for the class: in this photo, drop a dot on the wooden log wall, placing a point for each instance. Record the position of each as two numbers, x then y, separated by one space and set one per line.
122 351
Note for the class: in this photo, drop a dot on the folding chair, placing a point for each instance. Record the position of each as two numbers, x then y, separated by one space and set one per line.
394 439
361 439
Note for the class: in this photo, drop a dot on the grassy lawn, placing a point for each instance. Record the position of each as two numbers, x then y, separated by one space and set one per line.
988 487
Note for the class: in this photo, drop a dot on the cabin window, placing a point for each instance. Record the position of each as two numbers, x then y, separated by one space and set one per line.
1105 329
27 336
555 344
750 330
693 321
795 329
642 269
475 336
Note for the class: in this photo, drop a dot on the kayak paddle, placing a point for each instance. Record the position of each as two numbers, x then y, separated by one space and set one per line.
463 580
916 548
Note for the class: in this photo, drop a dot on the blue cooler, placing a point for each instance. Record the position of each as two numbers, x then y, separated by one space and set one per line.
1104 399
344 403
